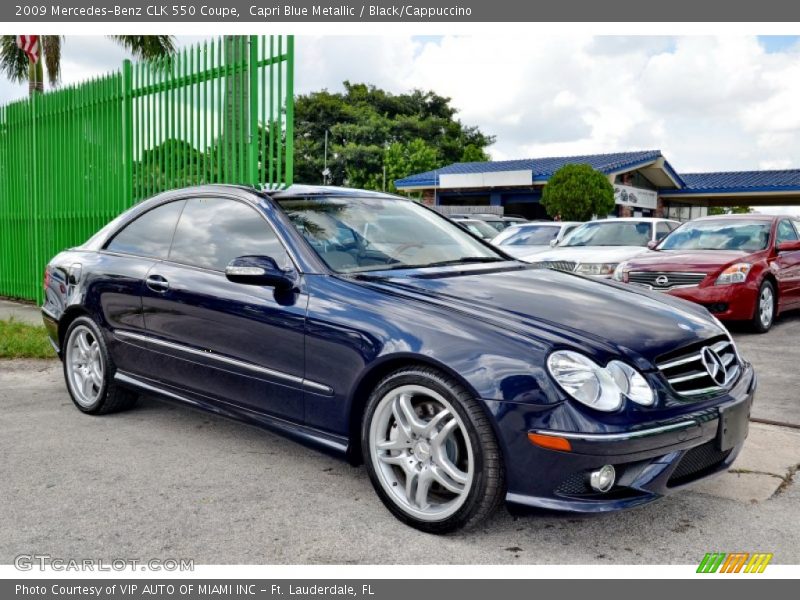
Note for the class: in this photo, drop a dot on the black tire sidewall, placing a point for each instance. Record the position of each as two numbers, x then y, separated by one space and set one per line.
108 368
441 385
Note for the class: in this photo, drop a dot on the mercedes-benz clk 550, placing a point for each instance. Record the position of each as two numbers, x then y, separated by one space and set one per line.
372 327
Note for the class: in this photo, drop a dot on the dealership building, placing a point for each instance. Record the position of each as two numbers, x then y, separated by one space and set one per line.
645 184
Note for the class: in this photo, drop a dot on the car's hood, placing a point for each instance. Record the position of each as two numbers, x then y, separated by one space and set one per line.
703 261
524 251
560 308
592 254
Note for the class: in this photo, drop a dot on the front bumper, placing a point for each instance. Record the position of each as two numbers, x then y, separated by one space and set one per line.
650 460
735 302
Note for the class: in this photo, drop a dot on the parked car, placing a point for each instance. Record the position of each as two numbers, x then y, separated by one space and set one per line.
499 222
740 267
480 228
459 377
528 239
597 247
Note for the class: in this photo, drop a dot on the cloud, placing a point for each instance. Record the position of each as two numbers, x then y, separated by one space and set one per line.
710 103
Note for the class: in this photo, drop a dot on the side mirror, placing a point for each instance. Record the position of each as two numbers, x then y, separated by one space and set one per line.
652 244
260 270
789 246
553 243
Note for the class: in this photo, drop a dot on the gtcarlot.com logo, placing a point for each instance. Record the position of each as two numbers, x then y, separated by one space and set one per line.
29 562
736 562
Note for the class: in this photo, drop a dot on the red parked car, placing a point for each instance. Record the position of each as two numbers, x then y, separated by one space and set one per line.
740 267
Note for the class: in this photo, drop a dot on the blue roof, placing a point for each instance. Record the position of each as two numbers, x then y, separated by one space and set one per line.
541 168
722 182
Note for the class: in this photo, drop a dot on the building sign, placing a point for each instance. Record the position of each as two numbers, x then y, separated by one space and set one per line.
637 197
487 179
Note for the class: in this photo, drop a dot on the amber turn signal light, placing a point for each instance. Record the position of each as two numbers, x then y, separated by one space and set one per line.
550 442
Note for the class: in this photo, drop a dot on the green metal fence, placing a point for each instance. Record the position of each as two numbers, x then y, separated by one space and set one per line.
72 159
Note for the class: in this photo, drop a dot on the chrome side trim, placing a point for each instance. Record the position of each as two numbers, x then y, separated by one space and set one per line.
618 437
311 385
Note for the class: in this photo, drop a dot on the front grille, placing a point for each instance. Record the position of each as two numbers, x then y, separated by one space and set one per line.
697 462
662 280
558 265
688 373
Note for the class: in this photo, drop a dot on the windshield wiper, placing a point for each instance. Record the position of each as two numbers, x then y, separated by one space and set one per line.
443 263
462 261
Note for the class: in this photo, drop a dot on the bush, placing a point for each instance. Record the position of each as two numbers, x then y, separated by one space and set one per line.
577 192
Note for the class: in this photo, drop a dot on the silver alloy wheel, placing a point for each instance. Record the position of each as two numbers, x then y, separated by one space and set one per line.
421 452
766 306
85 367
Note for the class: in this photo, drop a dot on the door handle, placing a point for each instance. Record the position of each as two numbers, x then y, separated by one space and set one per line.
157 283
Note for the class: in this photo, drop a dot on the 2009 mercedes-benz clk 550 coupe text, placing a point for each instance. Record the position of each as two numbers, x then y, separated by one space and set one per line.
370 326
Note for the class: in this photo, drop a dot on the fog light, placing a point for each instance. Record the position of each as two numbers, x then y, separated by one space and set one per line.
603 479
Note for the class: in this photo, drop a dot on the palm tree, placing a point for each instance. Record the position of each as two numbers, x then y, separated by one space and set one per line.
15 64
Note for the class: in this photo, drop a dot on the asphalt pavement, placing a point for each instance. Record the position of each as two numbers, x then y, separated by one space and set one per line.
163 481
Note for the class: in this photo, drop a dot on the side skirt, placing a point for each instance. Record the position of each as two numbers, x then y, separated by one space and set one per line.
308 436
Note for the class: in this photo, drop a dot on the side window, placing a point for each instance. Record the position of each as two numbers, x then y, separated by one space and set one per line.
214 231
786 232
662 230
150 234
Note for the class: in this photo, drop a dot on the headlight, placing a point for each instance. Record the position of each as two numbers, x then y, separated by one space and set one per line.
631 383
620 273
597 387
596 268
734 274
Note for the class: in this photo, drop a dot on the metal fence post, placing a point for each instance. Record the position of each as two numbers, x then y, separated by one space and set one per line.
252 98
289 177
127 132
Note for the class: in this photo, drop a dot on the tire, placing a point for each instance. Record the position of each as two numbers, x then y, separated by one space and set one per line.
423 426
89 371
765 308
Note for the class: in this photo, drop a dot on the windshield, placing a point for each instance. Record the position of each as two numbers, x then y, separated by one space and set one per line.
536 235
610 233
748 236
369 234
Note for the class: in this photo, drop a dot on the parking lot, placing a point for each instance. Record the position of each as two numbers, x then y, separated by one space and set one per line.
167 482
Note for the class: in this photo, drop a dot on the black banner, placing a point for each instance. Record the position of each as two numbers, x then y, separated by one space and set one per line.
411 11
387 589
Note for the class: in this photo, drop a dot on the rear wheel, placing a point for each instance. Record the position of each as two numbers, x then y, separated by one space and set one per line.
430 451
766 307
89 371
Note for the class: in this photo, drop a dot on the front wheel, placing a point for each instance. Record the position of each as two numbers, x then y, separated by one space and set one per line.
766 305
431 452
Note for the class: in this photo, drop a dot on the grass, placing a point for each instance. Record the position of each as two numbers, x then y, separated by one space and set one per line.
21 340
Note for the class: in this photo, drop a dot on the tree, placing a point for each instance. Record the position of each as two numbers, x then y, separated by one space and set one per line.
370 129
729 210
576 192
16 66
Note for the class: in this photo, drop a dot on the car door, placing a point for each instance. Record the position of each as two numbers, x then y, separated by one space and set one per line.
786 265
236 343
119 275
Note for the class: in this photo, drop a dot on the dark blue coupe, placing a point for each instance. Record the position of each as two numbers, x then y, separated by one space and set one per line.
372 327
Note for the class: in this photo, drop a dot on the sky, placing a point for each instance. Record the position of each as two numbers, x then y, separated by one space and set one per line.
708 103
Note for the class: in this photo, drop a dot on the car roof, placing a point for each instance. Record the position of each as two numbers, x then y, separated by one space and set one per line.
546 224
303 190
747 216
636 219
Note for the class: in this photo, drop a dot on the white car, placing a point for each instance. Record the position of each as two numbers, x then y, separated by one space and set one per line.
597 247
527 239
